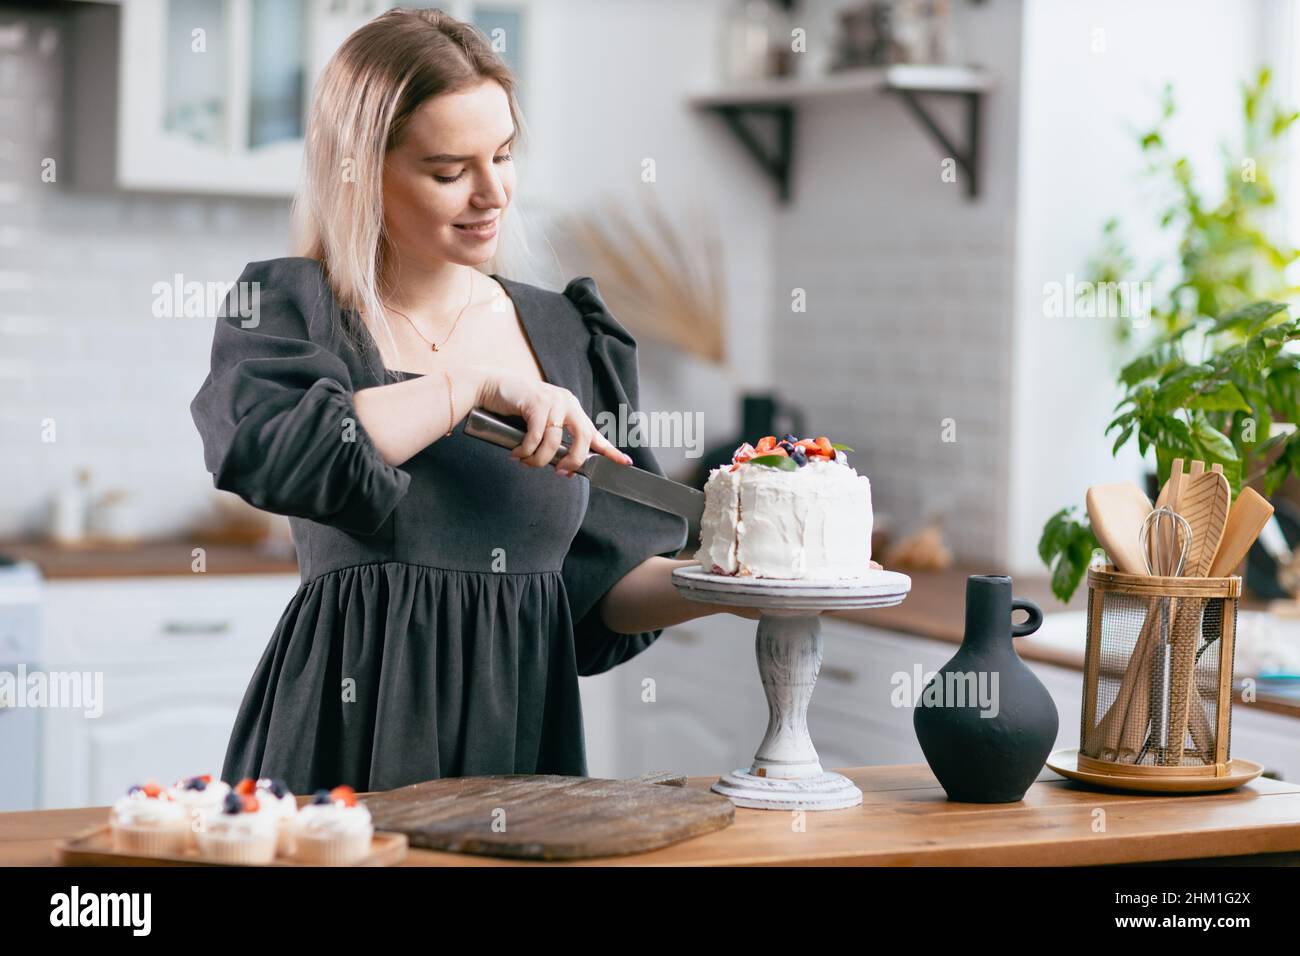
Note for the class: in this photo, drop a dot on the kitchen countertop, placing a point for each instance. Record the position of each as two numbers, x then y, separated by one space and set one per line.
905 820
147 559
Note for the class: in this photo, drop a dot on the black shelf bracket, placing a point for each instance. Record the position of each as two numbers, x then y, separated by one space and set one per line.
778 162
967 159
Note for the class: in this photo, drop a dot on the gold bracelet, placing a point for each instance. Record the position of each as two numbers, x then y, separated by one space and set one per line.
451 403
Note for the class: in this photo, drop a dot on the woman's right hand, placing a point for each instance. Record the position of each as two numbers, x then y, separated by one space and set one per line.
539 404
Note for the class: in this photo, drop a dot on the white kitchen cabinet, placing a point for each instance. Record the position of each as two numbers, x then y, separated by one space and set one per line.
213 96
708 711
174 655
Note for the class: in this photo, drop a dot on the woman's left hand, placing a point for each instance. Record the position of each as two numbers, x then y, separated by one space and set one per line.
754 613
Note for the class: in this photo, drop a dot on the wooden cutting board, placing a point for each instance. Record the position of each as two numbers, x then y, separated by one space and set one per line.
549 816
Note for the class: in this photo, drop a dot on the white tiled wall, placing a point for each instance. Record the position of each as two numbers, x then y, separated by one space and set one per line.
78 342
909 287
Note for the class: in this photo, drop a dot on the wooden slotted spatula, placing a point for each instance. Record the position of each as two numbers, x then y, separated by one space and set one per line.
1204 502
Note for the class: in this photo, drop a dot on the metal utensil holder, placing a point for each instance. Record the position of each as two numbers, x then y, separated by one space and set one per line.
1118 734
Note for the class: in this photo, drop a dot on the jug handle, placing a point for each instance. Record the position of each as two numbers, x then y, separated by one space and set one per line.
1031 623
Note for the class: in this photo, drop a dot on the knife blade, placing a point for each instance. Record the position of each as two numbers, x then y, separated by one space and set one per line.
626 481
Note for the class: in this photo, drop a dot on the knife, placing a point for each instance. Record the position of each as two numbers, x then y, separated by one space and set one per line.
626 481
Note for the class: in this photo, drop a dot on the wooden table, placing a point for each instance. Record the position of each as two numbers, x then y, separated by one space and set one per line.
904 820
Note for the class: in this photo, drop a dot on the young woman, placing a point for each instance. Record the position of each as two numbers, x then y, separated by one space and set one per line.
452 592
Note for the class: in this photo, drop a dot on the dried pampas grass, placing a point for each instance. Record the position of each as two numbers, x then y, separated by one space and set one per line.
660 281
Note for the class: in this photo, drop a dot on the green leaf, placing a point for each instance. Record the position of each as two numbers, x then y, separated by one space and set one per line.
1227 398
838 447
1152 364
1056 535
1119 442
780 462
1212 442
1272 442
1247 319
1070 545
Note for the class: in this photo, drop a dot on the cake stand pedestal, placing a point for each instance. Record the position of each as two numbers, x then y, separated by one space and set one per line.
786 774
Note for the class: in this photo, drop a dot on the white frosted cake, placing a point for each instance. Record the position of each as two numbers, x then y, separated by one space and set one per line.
808 516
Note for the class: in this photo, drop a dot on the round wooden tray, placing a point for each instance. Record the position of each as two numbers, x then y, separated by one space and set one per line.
1066 763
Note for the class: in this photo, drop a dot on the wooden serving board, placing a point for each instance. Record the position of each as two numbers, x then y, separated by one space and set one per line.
548 816
95 848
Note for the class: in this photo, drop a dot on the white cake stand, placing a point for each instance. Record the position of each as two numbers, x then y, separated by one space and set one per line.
786 774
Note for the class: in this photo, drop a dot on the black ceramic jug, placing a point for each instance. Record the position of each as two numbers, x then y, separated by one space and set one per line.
986 723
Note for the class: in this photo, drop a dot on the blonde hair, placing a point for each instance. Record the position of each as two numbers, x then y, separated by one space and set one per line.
365 96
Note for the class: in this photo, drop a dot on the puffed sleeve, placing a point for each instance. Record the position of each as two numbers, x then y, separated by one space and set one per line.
617 534
275 412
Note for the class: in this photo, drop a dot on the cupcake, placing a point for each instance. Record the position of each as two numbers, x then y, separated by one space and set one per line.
149 822
239 831
197 794
332 829
274 797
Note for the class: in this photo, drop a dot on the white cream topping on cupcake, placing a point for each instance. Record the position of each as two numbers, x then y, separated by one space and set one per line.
328 814
276 798
233 820
197 793
137 808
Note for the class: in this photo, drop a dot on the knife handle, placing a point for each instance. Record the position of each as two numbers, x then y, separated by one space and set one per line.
480 423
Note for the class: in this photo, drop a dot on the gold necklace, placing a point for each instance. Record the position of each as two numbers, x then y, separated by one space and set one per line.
433 346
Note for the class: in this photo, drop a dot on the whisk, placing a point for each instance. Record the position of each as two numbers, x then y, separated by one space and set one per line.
1163 555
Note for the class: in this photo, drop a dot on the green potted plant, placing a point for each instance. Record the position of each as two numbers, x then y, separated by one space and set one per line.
1216 377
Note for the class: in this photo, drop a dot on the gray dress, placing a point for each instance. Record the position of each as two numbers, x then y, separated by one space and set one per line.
448 605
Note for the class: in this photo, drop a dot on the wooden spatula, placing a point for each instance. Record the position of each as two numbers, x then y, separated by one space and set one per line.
1117 512
1250 512
1203 500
